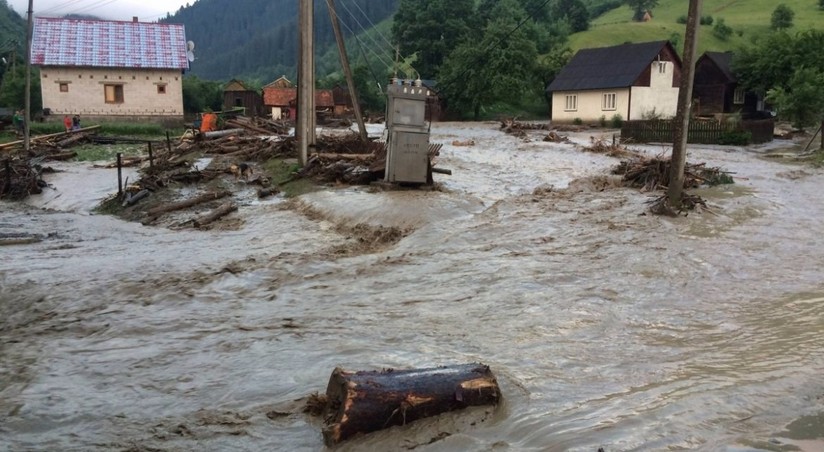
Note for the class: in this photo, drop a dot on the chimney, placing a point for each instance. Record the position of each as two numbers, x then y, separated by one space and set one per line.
134 19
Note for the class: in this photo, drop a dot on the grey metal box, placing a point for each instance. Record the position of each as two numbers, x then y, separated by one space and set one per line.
410 160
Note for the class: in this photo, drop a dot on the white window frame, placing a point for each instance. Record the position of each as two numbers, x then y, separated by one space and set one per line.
739 96
571 102
608 102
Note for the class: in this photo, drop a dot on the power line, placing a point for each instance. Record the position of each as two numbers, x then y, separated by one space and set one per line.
357 38
374 27
374 41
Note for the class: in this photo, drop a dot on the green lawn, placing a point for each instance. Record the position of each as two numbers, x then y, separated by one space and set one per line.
748 18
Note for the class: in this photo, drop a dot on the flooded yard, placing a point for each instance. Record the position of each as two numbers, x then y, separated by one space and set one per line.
606 326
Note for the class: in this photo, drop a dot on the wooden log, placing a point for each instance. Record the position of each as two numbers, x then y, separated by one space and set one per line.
133 199
60 156
363 402
11 144
267 192
72 139
158 211
216 214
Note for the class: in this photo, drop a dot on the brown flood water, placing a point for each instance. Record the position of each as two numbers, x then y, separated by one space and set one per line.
606 327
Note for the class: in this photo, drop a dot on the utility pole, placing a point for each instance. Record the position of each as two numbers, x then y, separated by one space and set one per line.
347 71
27 117
682 117
305 129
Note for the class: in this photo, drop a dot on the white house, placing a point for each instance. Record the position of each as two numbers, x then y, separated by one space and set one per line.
634 81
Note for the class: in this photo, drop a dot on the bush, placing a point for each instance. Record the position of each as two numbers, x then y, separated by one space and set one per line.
602 121
821 4
651 114
577 121
735 138
706 20
617 121
682 19
721 30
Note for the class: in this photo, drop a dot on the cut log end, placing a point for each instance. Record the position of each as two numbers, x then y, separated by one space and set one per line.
364 402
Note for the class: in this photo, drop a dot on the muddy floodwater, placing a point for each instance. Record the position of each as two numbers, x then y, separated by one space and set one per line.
606 327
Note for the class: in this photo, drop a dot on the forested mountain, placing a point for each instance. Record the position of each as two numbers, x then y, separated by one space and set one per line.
12 32
258 39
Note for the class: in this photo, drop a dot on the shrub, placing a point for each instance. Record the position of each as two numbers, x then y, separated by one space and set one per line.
735 138
577 121
651 114
821 4
706 20
602 121
617 121
721 30
682 19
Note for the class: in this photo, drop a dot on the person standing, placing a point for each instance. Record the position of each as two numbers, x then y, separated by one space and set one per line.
76 122
17 121
67 122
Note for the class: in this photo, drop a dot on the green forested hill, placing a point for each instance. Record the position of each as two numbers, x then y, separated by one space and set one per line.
747 18
258 39
12 33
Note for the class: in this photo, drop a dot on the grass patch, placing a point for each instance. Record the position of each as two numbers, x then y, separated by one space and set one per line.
110 206
281 170
97 152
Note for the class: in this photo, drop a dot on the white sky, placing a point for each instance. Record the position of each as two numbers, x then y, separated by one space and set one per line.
145 10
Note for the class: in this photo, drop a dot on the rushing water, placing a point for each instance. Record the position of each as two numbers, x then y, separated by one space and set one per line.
606 327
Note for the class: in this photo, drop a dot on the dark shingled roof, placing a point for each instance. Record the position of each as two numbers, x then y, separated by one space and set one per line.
606 67
724 62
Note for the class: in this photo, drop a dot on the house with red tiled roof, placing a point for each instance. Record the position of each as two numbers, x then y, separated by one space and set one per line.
281 98
103 68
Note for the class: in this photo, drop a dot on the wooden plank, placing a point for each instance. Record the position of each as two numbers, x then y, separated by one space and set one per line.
7 146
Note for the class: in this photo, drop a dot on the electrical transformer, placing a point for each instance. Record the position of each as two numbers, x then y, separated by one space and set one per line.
407 158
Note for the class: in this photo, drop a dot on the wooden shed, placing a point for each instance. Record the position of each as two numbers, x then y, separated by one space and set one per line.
717 90
237 94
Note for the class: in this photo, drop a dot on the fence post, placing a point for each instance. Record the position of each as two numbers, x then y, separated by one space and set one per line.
7 185
119 174
151 157
822 134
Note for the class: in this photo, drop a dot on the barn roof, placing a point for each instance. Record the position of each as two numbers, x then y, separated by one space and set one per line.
107 43
607 67
723 60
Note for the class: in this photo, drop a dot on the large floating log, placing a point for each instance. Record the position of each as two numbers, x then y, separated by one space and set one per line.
363 402
214 215
158 211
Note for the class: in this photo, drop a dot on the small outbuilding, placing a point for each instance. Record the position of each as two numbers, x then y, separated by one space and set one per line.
716 90
237 94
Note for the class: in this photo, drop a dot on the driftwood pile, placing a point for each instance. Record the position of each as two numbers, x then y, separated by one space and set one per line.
20 178
513 127
650 174
602 146
555 137
260 126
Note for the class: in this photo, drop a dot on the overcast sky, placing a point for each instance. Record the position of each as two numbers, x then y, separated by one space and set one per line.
145 10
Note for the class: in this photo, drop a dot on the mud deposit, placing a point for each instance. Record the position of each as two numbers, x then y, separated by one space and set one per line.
607 327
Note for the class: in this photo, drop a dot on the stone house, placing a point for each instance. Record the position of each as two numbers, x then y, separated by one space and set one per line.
102 68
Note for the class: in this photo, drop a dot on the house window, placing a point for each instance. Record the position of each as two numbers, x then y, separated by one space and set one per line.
738 96
662 67
571 102
161 89
64 87
609 102
113 93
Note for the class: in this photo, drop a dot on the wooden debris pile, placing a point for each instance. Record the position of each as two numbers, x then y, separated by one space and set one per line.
260 126
602 146
463 143
650 174
555 137
20 178
513 127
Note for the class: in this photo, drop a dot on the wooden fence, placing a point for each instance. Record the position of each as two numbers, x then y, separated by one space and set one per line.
700 131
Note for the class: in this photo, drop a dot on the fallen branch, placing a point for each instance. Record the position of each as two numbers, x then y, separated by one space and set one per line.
158 211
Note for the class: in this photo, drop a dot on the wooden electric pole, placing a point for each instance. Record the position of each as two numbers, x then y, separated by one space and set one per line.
305 128
27 116
682 116
347 71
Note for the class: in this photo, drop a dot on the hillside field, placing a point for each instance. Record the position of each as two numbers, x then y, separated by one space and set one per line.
748 18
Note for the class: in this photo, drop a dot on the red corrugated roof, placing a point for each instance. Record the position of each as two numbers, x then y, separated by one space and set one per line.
106 43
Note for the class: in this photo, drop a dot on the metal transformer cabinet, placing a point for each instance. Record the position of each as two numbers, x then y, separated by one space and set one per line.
407 158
